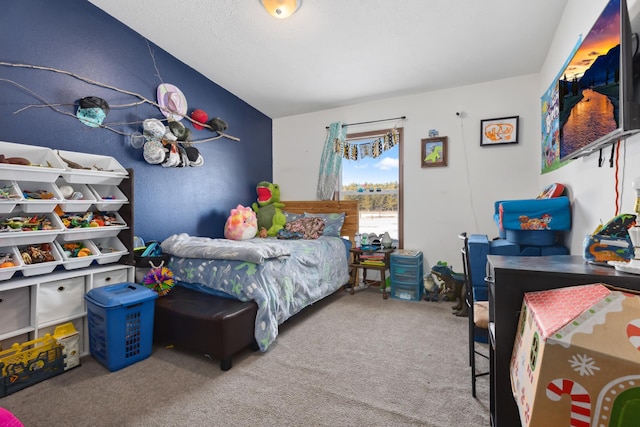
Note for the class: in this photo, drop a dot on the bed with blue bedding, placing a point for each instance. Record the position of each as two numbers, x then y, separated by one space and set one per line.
281 276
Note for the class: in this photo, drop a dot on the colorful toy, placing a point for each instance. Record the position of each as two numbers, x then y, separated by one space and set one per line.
242 224
610 242
268 208
432 289
159 279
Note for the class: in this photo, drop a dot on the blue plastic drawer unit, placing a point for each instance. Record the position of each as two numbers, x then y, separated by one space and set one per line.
120 318
406 275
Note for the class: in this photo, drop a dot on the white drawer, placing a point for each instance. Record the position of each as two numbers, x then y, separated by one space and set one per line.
61 299
15 309
110 277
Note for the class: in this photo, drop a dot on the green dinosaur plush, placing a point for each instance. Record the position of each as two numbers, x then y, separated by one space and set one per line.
268 208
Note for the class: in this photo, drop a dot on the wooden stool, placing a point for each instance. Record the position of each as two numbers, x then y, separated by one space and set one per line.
217 326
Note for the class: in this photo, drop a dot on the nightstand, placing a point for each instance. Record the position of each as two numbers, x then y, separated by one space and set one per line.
370 259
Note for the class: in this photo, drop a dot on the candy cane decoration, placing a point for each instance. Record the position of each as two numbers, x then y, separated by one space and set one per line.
633 333
580 400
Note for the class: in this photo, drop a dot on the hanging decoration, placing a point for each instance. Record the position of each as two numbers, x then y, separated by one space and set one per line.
171 103
331 160
371 148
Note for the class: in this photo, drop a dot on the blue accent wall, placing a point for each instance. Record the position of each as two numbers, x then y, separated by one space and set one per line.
77 37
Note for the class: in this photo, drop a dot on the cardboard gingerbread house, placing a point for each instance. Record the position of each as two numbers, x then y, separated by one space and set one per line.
576 358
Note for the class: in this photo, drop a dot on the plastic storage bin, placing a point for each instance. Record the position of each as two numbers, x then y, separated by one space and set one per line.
39 197
96 169
45 166
9 255
10 195
108 197
80 199
407 293
406 275
71 233
75 255
25 364
39 265
111 250
120 319
40 228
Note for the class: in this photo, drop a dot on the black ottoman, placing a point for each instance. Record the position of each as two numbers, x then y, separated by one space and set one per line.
216 326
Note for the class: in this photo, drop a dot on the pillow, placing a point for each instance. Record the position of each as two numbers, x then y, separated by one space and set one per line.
309 228
332 222
292 216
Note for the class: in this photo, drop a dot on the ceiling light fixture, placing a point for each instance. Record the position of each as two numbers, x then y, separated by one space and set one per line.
281 8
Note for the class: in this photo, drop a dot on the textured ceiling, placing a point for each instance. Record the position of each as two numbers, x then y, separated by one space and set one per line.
334 53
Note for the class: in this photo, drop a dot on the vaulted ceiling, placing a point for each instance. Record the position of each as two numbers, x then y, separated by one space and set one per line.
334 53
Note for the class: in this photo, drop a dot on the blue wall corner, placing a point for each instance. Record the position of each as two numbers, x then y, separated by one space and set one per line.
79 38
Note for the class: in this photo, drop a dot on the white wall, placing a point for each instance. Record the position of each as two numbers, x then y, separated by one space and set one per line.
592 188
442 202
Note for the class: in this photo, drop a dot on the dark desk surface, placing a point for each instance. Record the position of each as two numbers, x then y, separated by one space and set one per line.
557 264
512 277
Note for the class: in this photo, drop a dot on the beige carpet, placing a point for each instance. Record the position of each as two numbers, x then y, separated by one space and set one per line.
347 361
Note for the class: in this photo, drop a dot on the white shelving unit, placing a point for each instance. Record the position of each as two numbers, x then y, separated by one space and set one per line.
36 298
31 307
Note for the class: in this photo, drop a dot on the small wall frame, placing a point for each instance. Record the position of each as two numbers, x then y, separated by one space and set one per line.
503 130
434 152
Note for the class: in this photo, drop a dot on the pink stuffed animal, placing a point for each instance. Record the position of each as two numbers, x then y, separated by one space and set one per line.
242 224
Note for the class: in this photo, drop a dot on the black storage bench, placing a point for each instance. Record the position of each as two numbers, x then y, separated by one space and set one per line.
217 326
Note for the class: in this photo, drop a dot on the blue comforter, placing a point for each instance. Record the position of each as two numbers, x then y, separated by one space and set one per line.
300 273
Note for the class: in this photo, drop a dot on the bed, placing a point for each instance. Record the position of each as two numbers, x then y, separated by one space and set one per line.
282 277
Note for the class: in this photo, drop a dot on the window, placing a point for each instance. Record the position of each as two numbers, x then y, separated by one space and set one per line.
376 182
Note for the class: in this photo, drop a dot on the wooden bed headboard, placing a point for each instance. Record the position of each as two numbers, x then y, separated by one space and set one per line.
350 207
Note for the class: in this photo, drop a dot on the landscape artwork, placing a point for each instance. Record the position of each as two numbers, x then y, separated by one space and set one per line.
589 87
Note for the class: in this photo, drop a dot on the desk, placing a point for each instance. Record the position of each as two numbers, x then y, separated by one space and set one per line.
510 277
357 262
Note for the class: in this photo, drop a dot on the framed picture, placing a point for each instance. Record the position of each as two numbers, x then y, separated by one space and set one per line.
503 130
434 152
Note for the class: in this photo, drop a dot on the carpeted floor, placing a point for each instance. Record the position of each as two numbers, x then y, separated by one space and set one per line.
346 361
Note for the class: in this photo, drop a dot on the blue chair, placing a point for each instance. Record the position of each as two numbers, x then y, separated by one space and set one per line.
478 315
533 222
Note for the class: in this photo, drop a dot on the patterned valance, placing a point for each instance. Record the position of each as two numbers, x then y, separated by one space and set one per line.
371 148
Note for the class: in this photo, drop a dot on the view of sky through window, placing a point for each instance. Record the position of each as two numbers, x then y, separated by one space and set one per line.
370 180
383 169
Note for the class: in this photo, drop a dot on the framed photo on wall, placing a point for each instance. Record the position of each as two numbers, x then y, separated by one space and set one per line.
503 130
434 152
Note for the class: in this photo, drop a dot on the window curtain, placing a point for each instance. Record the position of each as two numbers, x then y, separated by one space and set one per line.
331 161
